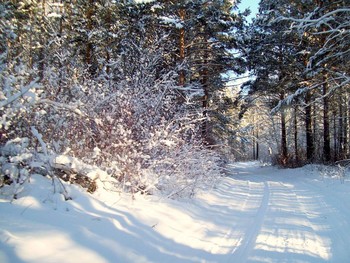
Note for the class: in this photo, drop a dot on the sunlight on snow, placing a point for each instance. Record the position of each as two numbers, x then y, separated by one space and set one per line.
257 215
29 201
55 245
291 241
126 251
290 228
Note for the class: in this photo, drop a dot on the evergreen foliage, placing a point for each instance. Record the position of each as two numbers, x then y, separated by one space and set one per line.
296 50
135 88
98 82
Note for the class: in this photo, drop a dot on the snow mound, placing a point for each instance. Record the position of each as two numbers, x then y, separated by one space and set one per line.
73 164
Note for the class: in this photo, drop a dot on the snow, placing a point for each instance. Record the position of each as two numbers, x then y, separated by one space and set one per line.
72 108
39 137
144 1
174 21
27 92
257 214
54 15
66 162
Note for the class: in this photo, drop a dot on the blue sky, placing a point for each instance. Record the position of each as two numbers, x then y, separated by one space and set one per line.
253 5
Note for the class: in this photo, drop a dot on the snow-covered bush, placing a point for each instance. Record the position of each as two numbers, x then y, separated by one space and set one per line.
17 98
130 122
134 129
184 170
14 160
19 88
338 172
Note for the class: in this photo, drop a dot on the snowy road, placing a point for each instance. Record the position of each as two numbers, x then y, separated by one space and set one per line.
258 214
265 214
286 216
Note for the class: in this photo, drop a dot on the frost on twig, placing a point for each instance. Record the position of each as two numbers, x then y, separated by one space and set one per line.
19 94
74 165
63 106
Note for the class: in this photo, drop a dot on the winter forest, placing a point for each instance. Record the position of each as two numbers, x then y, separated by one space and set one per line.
159 98
145 90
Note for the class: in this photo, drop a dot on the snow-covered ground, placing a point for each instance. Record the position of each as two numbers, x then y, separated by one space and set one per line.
258 214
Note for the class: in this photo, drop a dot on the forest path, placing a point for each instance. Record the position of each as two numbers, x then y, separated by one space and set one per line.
254 215
285 215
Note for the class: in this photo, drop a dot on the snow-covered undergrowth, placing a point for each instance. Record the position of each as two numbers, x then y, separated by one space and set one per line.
132 132
258 214
176 174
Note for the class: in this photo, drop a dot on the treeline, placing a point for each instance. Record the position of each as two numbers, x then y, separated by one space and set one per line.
62 43
134 88
138 89
299 53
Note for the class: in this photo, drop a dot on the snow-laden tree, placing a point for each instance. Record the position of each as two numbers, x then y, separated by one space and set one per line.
271 56
18 95
92 94
327 25
297 51
328 22
202 38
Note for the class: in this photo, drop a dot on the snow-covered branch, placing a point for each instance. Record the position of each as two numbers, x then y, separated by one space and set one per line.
16 96
73 165
309 21
58 105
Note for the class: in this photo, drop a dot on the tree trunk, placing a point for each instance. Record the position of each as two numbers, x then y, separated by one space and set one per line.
315 130
326 136
348 146
31 38
41 65
182 14
335 139
296 134
108 57
204 79
257 143
60 64
89 45
284 150
345 127
205 105
341 129
253 136
254 149
310 148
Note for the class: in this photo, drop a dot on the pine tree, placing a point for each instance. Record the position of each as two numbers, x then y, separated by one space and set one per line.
271 55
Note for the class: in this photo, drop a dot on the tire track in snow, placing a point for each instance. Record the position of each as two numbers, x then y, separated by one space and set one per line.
229 237
242 253
295 230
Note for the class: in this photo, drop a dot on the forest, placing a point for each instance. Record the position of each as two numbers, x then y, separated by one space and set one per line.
146 92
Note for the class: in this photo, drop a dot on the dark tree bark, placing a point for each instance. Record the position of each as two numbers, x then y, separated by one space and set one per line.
89 46
254 139
108 56
348 129
41 65
182 14
345 127
296 150
335 135
205 105
341 129
326 135
310 148
284 149
257 142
